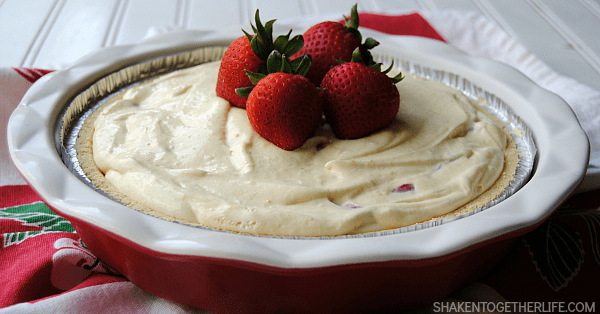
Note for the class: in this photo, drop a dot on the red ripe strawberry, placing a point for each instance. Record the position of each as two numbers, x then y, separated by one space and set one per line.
358 99
330 42
250 53
285 109
238 58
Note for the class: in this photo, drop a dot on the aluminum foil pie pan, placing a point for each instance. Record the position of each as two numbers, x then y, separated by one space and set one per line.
73 117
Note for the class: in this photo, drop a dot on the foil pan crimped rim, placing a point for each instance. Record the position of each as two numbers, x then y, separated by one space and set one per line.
73 117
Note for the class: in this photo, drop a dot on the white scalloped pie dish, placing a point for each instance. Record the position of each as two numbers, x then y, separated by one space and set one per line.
217 270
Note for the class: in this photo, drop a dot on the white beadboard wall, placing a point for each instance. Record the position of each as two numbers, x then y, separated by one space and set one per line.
51 34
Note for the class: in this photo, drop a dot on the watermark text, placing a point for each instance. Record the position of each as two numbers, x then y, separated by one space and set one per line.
515 307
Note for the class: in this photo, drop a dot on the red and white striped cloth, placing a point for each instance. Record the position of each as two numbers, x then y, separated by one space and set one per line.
45 267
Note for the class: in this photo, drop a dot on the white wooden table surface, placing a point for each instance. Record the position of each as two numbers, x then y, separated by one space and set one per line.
51 34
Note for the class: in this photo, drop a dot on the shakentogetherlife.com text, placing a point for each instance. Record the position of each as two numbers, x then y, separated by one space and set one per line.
515 307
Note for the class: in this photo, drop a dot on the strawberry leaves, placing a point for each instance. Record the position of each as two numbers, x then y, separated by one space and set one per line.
276 53
250 53
262 42
277 62
353 22
357 57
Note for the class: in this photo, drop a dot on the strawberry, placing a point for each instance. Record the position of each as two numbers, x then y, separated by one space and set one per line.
330 42
238 58
250 53
359 99
284 108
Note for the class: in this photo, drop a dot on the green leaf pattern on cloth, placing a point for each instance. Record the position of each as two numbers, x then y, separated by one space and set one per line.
36 215
557 252
557 248
593 221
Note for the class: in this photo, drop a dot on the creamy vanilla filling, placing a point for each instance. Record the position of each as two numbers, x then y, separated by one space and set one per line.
172 145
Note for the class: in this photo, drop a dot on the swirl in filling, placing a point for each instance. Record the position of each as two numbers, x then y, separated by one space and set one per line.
173 146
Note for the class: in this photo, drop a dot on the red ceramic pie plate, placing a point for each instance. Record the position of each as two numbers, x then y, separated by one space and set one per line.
223 272
222 285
